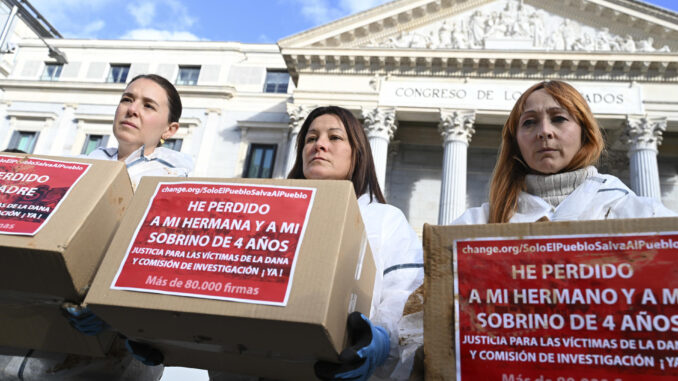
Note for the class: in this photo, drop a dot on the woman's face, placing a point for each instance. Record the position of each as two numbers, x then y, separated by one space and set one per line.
142 115
548 136
327 151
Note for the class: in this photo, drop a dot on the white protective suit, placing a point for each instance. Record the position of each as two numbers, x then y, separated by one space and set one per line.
596 197
30 365
161 162
599 197
398 257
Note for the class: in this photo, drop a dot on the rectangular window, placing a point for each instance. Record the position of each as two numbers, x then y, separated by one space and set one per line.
52 72
93 142
188 75
276 81
24 141
174 144
260 159
118 74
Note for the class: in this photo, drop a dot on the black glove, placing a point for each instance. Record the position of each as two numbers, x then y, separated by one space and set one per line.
144 353
368 348
84 320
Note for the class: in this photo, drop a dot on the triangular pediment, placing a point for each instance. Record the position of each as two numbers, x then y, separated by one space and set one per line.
628 26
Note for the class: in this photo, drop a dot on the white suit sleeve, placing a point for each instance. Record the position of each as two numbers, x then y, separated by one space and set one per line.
401 255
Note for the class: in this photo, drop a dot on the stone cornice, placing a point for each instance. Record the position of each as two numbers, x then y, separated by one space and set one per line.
485 63
405 15
226 92
224 46
258 125
21 114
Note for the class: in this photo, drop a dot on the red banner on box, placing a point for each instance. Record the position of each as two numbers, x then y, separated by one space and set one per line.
32 189
570 308
218 241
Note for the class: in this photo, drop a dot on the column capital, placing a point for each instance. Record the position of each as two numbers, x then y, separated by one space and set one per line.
457 125
380 122
298 114
643 132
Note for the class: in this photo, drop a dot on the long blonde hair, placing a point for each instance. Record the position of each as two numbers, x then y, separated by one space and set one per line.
508 177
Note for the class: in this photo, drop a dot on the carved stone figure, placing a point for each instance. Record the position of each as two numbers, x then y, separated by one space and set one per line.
459 38
476 30
603 39
568 34
537 28
585 42
514 20
445 35
628 45
646 45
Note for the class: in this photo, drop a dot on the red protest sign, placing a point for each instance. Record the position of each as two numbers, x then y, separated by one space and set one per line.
218 241
567 308
32 189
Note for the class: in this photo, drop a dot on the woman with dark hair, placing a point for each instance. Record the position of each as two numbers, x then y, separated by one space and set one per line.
147 115
545 171
332 145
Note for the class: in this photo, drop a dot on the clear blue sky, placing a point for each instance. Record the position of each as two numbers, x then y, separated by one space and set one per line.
255 21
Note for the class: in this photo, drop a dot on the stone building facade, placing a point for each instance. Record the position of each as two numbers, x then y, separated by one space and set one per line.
432 80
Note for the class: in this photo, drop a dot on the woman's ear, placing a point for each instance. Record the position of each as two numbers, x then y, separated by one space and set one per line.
172 129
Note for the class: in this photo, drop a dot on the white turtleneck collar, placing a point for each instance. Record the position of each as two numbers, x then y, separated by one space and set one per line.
555 188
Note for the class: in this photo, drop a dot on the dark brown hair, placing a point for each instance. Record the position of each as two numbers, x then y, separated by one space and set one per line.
362 173
508 177
173 98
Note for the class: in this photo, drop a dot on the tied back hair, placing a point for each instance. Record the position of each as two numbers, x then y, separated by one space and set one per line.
362 173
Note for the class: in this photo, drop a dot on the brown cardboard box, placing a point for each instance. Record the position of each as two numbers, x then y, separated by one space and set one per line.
280 342
439 334
58 263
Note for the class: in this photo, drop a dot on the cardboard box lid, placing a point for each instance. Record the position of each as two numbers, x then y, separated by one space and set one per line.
62 257
439 334
321 278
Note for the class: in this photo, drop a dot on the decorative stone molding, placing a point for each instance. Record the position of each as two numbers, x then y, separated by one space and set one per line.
456 125
644 135
514 25
644 132
380 122
298 114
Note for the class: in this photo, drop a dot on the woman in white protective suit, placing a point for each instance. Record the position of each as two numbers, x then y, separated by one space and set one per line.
545 171
148 112
147 115
332 145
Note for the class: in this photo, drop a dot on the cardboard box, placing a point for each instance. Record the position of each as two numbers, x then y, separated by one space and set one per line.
281 338
57 263
439 309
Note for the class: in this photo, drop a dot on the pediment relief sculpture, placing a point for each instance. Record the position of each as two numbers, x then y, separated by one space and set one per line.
514 25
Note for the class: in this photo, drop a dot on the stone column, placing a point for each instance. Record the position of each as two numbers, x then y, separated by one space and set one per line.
644 135
380 125
298 114
456 128
5 130
64 133
209 134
